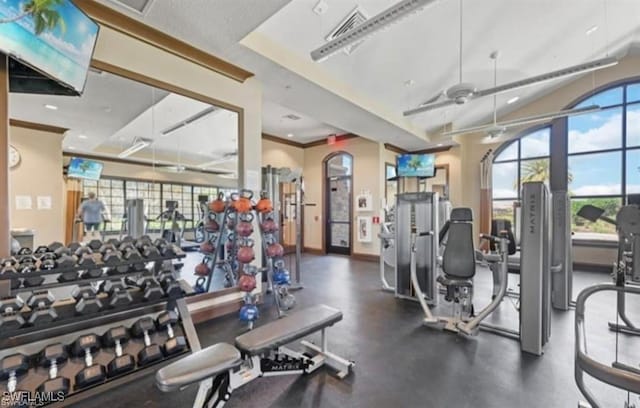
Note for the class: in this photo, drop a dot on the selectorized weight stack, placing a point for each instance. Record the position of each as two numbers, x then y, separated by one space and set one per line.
416 212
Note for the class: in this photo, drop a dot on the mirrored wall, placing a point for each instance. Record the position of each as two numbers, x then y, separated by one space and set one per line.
170 151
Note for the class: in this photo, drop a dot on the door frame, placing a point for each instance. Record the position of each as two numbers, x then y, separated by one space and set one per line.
325 200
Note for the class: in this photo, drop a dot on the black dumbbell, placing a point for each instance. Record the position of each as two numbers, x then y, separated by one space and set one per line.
52 357
151 252
87 301
169 283
118 293
128 238
24 251
151 352
42 310
55 246
11 368
48 261
175 344
112 257
160 243
29 280
11 313
74 246
106 247
119 270
94 244
85 346
63 250
122 363
114 242
67 262
11 270
41 250
82 250
150 288
131 254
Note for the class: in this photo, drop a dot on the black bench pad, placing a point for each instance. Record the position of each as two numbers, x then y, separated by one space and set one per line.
198 366
290 328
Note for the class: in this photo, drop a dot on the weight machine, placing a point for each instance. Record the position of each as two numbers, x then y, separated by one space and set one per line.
134 222
625 272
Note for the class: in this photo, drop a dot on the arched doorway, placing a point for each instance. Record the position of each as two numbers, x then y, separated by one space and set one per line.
338 170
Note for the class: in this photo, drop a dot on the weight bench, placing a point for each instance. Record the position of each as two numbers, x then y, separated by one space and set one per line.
222 368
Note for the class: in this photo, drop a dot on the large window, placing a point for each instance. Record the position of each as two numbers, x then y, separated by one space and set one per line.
114 192
603 159
524 159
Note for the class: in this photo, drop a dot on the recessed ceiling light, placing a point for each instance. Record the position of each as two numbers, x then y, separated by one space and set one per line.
52 107
409 82
439 144
290 135
592 30
513 100
83 137
72 148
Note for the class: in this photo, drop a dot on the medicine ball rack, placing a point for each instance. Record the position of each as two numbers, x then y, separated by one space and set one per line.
142 320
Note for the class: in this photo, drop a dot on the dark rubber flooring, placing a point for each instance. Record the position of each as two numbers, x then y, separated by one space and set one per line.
401 364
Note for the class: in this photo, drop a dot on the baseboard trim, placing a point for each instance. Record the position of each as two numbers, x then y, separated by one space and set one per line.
314 251
211 312
588 267
366 257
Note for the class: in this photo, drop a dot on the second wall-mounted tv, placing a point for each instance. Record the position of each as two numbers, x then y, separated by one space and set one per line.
85 169
415 165
53 37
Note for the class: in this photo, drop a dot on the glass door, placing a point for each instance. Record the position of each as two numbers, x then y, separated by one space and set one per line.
339 200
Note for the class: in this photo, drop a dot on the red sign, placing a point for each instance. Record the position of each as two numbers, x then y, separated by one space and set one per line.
376 220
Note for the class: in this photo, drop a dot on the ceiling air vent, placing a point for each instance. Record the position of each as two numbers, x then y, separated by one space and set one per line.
138 6
291 116
354 18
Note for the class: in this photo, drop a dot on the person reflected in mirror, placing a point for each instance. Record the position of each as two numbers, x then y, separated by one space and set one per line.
92 212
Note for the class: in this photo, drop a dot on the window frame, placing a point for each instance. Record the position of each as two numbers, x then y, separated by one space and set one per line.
164 187
623 150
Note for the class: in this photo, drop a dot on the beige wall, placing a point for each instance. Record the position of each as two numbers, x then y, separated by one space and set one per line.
366 176
125 52
281 155
38 174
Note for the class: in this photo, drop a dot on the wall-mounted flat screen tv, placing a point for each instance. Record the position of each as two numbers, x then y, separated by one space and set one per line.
53 37
415 165
83 168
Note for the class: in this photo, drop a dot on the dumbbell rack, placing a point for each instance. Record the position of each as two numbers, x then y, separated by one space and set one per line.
30 341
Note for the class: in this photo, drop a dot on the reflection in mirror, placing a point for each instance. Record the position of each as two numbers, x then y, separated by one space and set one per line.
152 158
437 184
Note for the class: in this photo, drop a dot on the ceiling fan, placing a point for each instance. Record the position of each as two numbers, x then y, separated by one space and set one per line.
464 92
495 129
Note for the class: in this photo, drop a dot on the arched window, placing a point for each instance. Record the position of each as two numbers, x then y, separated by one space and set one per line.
603 158
525 158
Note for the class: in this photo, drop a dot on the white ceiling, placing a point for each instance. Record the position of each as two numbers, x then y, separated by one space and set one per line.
102 122
303 130
532 36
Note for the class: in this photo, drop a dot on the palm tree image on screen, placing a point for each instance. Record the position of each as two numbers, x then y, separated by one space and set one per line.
44 14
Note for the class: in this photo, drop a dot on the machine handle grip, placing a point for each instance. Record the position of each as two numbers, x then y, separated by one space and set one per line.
425 234
491 238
